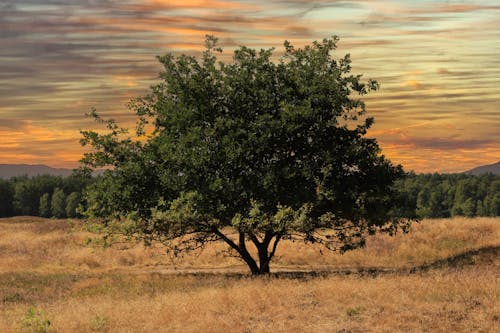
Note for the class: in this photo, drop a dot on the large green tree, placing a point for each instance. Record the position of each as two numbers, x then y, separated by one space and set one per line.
248 152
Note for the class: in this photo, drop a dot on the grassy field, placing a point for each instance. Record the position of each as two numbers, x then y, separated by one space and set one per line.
441 277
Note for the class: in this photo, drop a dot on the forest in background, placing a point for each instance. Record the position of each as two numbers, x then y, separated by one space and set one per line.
447 195
425 195
43 195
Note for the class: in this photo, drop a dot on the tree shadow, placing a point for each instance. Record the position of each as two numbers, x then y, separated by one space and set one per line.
481 256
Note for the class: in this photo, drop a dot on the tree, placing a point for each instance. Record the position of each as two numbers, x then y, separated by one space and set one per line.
72 202
494 198
26 197
6 198
45 208
58 203
480 211
250 153
423 209
29 190
469 208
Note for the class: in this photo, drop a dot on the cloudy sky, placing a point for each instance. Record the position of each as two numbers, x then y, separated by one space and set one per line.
438 63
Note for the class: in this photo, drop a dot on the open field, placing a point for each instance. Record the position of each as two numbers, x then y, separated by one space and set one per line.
404 287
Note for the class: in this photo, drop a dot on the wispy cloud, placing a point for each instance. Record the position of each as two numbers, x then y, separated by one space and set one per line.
437 62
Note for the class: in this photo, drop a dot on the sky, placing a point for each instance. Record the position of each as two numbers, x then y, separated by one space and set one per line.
438 63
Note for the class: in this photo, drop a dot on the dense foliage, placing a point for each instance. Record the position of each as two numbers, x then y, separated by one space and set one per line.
445 195
248 152
426 195
45 195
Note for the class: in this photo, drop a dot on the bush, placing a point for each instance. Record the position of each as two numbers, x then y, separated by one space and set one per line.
35 321
98 324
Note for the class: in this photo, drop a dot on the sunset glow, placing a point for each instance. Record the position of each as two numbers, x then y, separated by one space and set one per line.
438 63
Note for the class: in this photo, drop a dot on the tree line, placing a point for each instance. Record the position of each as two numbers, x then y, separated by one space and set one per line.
426 195
446 195
43 195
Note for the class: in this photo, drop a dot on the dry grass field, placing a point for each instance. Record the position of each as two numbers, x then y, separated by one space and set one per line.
441 277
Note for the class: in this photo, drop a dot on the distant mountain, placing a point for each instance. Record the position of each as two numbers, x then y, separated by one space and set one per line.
491 168
12 170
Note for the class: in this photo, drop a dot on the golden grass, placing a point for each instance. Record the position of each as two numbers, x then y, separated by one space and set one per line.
49 246
46 264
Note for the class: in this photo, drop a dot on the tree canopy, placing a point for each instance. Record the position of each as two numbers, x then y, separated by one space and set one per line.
248 152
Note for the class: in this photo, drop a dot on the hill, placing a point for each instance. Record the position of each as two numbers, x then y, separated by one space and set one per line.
490 168
12 170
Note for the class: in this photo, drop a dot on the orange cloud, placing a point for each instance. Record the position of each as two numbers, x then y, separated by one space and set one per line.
436 160
31 143
414 84
197 4
101 54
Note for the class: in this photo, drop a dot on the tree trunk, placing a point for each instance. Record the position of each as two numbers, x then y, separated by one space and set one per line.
262 248
263 259
262 267
247 258
266 254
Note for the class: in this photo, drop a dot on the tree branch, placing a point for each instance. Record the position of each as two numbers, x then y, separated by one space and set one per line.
241 249
273 250
227 240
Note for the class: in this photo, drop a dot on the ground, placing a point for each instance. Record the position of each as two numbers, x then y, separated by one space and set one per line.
441 277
